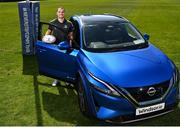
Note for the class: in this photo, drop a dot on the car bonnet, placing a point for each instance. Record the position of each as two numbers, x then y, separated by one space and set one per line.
133 68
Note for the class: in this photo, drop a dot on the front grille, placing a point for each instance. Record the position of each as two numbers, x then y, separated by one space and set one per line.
140 94
133 118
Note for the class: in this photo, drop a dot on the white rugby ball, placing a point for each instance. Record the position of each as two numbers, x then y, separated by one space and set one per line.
49 39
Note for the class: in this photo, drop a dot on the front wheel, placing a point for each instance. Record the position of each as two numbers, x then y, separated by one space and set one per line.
82 99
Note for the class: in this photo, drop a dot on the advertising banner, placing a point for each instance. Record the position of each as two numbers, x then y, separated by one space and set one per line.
29 15
35 19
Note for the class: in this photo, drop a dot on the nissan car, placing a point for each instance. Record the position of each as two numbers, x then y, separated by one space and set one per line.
120 77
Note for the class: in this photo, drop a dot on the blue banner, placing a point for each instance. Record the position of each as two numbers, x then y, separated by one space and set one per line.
29 21
35 20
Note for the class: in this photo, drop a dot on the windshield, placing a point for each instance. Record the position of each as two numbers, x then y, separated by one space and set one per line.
111 35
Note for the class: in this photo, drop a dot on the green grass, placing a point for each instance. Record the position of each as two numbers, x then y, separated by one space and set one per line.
30 100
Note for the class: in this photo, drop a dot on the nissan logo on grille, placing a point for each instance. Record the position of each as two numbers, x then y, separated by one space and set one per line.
151 91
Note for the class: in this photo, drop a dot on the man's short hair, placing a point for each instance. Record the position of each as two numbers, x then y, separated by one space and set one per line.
61 8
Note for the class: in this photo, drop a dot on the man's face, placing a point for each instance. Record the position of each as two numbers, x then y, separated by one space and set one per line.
60 13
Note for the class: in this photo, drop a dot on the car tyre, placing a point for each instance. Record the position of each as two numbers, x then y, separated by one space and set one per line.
82 99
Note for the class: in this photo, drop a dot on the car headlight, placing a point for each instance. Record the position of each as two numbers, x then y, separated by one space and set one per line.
176 78
176 82
110 90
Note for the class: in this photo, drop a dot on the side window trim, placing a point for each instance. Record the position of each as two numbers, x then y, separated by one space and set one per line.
76 30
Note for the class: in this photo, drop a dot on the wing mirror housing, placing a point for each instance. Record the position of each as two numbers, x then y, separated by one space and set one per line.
146 36
64 45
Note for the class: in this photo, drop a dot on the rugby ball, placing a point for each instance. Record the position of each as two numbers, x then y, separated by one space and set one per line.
49 39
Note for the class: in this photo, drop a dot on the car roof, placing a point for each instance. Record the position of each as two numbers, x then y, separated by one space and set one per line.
86 19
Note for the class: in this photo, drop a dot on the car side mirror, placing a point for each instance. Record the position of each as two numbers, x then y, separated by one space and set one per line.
146 37
64 45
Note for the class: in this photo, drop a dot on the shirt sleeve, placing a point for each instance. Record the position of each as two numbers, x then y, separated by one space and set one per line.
50 27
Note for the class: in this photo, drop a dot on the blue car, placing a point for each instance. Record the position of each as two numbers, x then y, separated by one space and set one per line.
119 75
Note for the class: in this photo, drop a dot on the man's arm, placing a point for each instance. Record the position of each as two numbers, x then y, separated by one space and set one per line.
70 36
48 32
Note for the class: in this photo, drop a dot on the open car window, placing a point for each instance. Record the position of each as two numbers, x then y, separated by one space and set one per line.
43 27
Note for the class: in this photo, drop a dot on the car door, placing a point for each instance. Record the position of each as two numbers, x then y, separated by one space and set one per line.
56 63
